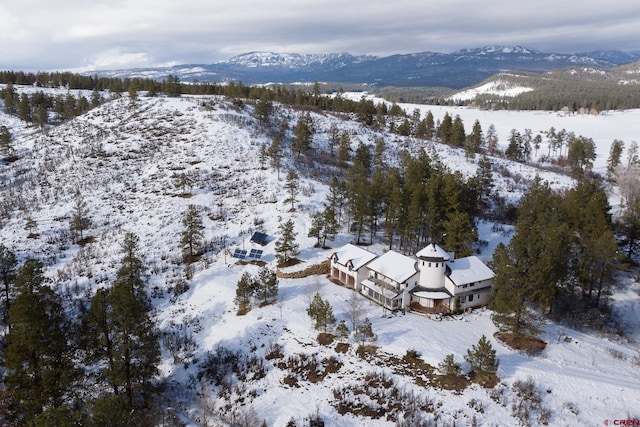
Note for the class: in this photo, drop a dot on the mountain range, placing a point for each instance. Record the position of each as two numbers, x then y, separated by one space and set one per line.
454 70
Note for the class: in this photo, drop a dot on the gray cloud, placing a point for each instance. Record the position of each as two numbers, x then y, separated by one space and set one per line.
74 34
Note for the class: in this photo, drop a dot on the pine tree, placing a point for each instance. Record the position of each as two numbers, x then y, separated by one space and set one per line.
8 263
292 186
266 285
244 290
193 231
482 359
449 367
321 313
286 246
334 138
126 339
263 109
317 226
24 108
6 147
330 229
342 331
615 157
303 134
531 266
458 135
38 357
344 150
629 228
80 219
364 332
275 153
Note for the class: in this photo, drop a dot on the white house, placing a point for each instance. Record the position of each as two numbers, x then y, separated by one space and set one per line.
347 265
444 279
391 278
432 281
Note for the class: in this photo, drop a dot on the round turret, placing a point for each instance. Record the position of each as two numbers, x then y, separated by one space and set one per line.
432 264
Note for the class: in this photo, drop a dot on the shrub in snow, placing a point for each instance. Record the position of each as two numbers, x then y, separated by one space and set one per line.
527 406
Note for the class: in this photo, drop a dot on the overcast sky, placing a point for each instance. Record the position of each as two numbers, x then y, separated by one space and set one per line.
111 34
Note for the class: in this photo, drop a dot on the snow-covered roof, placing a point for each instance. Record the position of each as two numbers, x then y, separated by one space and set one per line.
432 295
469 270
358 256
433 252
395 266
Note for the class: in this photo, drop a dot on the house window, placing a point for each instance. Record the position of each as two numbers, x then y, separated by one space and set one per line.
429 265
470 298
463 299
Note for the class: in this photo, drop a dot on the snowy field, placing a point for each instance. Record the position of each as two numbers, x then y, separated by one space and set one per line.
125 160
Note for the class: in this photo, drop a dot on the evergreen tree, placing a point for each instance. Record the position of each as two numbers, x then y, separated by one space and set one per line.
594 249
275 153
244 290
24 109
6 147
458 134
492 139
459 233
10 99
321 313
38 357
286 246
475 139
303 134
581 155
192 232
336 198
266 285
445 129
317 225
263 109
515 151
292 186
80 219
449 367
482 359
8 263
429 125
357 197
126 339
531 266
334 138
342 331
344 149
628 227
364 332
615 157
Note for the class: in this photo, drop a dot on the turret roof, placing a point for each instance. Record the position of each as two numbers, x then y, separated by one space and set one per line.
433 252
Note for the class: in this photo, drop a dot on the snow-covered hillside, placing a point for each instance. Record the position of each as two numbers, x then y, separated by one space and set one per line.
128 160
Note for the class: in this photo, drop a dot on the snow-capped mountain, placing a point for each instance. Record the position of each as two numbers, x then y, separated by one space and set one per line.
462 68
294 60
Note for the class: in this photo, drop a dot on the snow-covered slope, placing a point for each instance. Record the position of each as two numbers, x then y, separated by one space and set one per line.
127 161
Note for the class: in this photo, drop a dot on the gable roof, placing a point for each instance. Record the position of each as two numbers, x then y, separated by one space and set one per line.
358 256
395 266
469 270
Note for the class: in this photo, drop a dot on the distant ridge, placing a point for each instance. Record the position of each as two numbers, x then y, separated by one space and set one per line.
459 69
